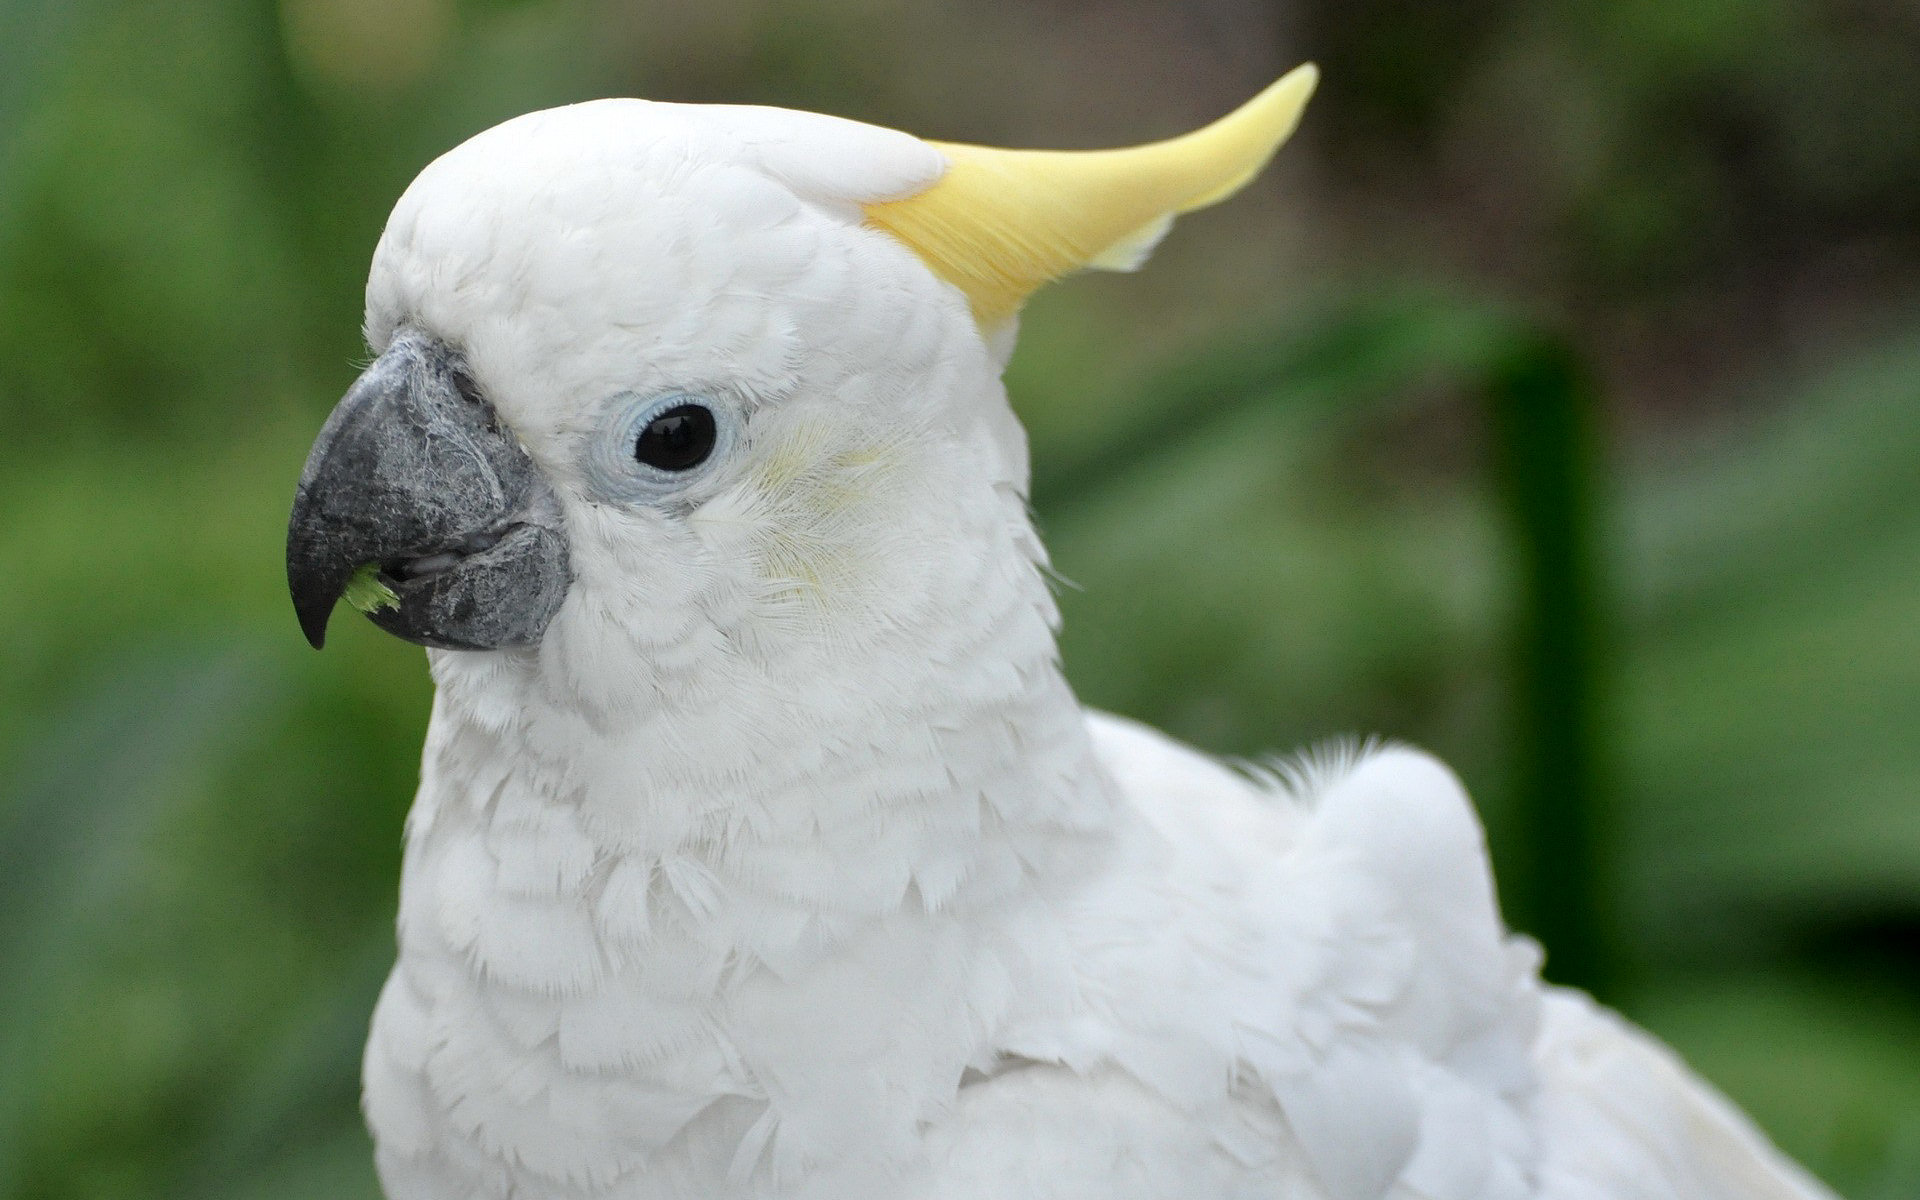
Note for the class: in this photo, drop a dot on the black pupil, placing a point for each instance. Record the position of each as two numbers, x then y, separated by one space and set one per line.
677 440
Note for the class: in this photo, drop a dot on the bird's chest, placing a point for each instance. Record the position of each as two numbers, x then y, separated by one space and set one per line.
622 1030
522 1048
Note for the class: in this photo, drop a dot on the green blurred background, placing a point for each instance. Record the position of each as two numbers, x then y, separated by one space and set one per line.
1554 403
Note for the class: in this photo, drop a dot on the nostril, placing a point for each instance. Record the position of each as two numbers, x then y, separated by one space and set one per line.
469 389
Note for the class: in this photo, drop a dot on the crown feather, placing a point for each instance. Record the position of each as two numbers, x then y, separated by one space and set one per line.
998 224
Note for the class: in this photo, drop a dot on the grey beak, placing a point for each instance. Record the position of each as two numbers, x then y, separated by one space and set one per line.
415 475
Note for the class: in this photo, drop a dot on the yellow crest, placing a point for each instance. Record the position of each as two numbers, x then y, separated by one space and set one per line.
1000 223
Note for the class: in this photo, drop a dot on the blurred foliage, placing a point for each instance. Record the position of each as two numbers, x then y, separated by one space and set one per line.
1283 519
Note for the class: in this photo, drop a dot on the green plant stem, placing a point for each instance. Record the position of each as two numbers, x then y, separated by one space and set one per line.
1540 408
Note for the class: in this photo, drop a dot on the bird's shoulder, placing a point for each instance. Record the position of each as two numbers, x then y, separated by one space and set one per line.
1381 832
1318 942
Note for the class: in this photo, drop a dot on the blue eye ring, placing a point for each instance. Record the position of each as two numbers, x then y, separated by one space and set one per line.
619 461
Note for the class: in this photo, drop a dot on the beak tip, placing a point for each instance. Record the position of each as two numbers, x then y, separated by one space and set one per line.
313 621
314 592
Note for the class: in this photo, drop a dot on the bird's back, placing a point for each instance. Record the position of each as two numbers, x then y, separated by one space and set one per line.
1299 985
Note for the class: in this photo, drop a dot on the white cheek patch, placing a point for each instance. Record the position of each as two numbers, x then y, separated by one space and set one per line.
824 523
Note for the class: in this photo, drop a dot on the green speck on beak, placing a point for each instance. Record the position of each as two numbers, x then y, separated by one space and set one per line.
366 593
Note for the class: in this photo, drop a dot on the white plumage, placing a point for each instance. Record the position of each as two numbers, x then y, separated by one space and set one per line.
787 864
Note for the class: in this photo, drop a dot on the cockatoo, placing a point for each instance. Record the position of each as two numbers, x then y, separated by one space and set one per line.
761 847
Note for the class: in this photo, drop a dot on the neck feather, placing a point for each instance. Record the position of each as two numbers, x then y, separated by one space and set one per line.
933 766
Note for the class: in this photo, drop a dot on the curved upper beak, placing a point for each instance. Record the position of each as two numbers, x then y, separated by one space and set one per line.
415 477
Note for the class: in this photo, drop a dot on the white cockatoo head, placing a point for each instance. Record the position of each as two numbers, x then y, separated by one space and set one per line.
668 397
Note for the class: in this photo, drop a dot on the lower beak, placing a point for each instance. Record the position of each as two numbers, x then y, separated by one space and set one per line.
414 477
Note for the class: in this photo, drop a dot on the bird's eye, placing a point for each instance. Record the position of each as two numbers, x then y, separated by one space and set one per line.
679 439
663 446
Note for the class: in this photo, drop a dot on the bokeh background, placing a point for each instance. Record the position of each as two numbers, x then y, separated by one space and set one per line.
1554 403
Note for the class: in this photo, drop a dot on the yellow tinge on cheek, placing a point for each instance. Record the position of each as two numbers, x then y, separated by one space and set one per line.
811 518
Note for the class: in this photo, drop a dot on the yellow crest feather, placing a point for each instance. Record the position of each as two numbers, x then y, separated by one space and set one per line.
1000 223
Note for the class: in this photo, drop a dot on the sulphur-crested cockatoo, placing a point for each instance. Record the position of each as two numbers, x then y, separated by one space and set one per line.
761 848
